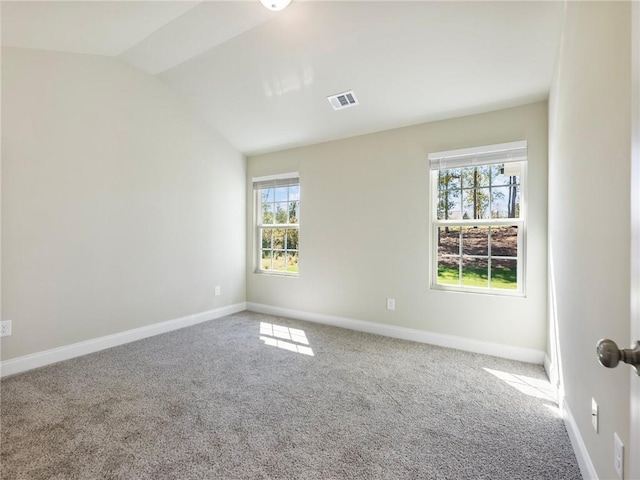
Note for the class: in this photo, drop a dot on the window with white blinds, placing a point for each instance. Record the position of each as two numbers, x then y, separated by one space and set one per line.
277 216
478 218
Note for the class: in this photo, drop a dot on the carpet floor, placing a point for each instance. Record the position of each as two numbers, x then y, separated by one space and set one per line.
252 396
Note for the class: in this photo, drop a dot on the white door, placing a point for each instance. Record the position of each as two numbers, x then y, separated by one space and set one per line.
633 454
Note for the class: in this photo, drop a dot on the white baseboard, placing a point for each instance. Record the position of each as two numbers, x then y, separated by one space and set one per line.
587 469
40 359
497 350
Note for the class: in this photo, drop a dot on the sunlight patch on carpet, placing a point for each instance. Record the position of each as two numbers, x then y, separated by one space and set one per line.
534 387
277 336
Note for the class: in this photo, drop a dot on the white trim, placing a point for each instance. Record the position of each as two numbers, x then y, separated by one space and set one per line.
548 368
634 321
499 147
54 355
547 364
277 176
552 375
477 346
486 154
587 469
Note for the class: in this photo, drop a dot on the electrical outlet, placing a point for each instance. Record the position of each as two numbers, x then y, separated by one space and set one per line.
594 414
5 328
391 303
618 455
217 291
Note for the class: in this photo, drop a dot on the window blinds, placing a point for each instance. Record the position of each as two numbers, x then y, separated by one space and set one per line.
279 180
468 157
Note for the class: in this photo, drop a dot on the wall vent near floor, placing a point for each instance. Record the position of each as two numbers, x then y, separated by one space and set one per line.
343 100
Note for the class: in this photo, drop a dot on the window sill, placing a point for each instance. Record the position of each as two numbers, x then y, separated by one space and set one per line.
270 273
480 291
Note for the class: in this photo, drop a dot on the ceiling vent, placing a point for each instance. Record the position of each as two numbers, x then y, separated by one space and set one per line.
343 100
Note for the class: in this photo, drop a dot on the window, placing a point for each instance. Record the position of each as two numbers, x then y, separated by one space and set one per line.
277 216
478 219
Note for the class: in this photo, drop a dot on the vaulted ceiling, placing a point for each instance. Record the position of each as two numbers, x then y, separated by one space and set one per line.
261 78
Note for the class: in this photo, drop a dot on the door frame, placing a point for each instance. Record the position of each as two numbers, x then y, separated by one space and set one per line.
634 400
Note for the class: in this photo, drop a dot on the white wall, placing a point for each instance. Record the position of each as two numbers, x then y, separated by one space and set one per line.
364 231
589 227
120 208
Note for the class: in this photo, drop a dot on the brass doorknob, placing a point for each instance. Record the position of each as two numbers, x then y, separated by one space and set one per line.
609 355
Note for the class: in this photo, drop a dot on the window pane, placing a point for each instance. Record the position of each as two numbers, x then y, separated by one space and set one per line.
449 178
293 211
475 203
450 207
281 194
449 255
475 272
448 240
267 213
474 177
475 241
267 195
448 270
498 177
282 212
497 174
505 202
294 192
499 197
449 194
504 241
279 263
292 261
278 238
292 239
266 259
266 238
515 199
504 274
467 177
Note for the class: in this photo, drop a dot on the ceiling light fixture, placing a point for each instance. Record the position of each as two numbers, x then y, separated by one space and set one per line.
275 5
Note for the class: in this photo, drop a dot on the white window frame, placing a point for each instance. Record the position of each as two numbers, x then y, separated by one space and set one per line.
260 183
479 156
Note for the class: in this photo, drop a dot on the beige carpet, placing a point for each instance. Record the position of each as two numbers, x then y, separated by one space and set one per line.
259 397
